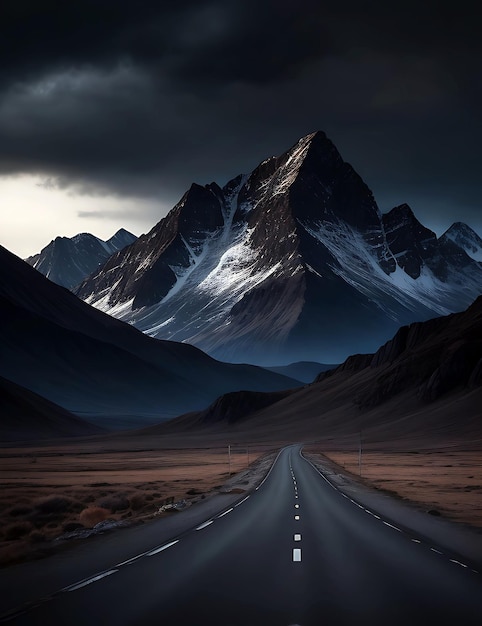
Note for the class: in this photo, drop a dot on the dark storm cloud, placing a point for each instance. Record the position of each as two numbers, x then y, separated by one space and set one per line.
142 98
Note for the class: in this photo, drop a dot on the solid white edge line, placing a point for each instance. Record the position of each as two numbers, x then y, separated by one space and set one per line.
392 526
296 554
338 490
270 469
226 512
205 524
89 581
162 548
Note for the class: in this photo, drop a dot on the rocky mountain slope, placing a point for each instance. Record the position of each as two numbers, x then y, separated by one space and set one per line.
293 262
100 368
425 381
67 261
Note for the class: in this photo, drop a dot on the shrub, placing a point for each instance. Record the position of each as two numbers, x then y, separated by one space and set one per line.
114 503
92 515
36 537
53 504
19 510
17 530
137 502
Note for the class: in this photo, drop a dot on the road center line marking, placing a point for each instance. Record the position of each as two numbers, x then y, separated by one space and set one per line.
89 581
225 513
297 537
205 524
296 554
162 548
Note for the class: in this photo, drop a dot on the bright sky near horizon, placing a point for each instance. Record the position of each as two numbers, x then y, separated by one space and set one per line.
31 215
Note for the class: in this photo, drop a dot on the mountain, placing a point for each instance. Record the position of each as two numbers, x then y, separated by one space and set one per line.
100 368
67 261
26 416
465 238
424 384
306 371
293 262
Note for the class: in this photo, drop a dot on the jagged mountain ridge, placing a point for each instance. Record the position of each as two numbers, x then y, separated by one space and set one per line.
68 260
292 262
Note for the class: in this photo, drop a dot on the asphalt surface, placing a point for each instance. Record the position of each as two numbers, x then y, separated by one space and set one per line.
294 551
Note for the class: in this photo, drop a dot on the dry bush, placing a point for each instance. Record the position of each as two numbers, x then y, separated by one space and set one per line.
114 502
92 515
17 530
18 510
53 504
36 537
137 502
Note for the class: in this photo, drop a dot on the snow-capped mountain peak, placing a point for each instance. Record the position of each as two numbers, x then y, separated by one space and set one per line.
466 238
293 261
67 261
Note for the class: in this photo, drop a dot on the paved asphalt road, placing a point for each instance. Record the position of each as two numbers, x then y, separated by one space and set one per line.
295 551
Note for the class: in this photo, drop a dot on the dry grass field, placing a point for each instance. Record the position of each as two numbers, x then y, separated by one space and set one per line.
48 491
443 481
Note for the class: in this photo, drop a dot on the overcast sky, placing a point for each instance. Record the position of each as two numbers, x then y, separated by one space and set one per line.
110 109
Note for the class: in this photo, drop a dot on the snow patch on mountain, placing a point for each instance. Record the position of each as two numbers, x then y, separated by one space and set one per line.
466 238
355 263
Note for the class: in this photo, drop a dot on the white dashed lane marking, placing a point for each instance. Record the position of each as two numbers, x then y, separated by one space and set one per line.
297 537
205 525
225 513
296 554
162 548
414 540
